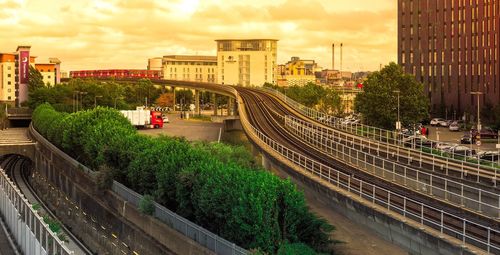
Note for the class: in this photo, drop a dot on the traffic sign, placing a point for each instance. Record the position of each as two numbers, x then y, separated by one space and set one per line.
478 143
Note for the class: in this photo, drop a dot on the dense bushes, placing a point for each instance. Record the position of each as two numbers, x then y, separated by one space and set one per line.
214 185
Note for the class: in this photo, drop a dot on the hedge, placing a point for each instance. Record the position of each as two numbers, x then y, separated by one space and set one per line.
216 186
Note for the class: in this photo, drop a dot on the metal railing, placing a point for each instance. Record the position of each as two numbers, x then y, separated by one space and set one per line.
198 234
31 233
437 157
467 231
330 142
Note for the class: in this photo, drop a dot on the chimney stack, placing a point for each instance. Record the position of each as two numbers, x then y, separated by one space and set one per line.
341 59
333 56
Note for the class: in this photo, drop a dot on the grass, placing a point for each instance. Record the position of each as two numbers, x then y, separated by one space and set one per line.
200 117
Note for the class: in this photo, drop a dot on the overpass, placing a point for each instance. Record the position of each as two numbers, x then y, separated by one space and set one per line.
16 141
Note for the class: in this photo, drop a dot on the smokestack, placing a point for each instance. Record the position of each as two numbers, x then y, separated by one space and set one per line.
333 56
341 59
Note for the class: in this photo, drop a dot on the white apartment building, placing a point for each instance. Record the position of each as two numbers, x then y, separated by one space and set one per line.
7 77
247 62
190 68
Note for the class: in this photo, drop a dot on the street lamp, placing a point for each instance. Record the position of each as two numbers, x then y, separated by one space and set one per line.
116 99
95 100
478 93
398 123
75 100
81 99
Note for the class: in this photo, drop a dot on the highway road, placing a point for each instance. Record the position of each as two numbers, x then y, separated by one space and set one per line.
266 114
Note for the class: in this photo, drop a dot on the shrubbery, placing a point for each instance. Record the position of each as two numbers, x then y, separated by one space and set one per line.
214 185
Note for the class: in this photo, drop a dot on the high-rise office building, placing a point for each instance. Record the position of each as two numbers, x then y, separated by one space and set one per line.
452 47
249 62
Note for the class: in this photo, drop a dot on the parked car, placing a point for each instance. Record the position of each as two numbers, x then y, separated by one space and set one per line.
454 126
417 141
460 150
165 119
486 133
467 138
444 123
493 156
436 121
442 146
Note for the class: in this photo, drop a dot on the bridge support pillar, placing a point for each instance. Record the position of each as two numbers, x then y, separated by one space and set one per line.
230 103
214 101
266 163
197 102
235 107
173 91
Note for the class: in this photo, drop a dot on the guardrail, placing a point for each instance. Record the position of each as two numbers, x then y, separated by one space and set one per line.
29 230
391 138
329 141
200 235
468 232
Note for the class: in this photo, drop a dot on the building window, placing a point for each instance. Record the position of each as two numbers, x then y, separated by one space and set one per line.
8 68
8 75
9 90
9 83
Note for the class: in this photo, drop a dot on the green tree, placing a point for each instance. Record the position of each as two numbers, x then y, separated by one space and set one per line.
146 205
35 79
331 103
379 104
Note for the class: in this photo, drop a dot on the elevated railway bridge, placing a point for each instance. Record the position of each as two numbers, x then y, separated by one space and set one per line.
451 206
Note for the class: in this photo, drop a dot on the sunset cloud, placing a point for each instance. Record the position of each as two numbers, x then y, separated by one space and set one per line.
123 34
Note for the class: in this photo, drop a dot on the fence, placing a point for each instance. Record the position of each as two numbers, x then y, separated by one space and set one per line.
449 160
331 142
446 223
200 235
31 233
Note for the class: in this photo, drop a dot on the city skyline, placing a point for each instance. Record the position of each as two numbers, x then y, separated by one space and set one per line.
124 34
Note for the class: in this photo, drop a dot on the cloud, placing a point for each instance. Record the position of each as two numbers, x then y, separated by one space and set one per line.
123 34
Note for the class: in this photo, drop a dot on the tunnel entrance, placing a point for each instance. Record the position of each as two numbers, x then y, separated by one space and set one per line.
19 123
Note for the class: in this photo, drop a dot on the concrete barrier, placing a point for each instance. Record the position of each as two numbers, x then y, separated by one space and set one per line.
63 179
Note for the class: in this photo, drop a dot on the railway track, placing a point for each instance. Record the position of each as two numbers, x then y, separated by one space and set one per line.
264 113
18 169
473 174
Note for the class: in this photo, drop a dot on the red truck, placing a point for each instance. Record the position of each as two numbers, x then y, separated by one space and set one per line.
142 118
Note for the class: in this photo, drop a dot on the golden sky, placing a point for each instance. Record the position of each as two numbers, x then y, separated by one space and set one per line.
97 34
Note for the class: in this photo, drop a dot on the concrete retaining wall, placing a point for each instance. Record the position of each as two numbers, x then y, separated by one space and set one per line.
111 218
416 240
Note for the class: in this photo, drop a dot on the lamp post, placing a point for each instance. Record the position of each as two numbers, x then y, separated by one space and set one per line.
95 100
81 98
116 99
75 100
478 93
398 123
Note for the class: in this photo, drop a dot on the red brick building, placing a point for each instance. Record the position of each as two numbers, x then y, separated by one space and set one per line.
452 47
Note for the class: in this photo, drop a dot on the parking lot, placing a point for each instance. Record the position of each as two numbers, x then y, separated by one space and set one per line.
193 130
454 137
